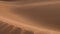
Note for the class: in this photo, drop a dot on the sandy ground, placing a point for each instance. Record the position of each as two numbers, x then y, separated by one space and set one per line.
32 16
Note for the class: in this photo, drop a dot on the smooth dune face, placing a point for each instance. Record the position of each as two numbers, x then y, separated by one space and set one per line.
30 16
48 14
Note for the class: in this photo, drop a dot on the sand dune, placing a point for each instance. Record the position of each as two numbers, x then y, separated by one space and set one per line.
40 17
